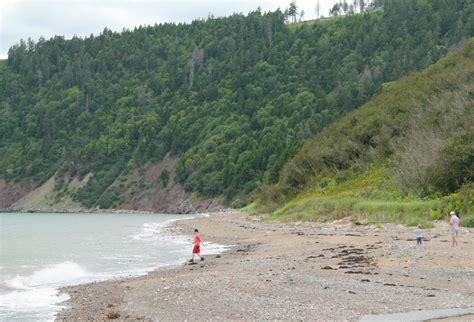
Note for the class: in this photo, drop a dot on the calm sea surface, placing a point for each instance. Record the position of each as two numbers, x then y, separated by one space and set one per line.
41 252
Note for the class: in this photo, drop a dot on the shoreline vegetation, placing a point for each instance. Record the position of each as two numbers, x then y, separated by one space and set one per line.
299 270
371 216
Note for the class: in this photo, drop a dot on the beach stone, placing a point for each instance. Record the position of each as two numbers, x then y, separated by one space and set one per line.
245 289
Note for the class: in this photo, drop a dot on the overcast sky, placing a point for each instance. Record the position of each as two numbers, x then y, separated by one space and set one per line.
20 19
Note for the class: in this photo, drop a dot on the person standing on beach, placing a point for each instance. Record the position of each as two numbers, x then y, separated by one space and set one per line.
419 235
197 246
454 223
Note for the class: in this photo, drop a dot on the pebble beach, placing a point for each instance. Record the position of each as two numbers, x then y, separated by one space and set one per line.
292 271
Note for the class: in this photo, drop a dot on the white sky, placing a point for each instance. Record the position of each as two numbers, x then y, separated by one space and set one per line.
20 19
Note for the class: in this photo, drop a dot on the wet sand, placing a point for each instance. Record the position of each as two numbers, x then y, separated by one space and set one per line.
292 271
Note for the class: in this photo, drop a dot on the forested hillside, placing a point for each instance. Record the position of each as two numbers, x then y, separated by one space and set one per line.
232 99
409 151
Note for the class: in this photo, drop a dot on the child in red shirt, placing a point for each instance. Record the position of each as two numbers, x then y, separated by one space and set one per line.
197 245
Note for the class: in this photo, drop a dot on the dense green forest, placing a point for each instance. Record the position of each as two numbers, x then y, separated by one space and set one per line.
233 98
408 150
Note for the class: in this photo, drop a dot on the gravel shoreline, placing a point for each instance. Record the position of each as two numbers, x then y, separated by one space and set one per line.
291 271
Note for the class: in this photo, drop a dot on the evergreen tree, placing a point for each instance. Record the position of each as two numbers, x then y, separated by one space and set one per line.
232 98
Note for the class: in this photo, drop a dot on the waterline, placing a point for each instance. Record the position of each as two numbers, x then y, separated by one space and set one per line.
41 253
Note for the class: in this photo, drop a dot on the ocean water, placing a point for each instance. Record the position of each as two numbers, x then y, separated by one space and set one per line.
40 253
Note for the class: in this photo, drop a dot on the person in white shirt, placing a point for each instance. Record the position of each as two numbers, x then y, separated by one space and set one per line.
454 223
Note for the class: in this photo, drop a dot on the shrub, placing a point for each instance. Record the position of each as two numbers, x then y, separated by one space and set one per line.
435 156
142 184
436 214
462 202
269 198
108 200
164 178
460 153
468 221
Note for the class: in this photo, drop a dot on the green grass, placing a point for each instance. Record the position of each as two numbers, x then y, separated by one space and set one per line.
250 208
365 196
320 208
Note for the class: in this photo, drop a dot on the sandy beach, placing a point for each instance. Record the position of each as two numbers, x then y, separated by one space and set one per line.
292 271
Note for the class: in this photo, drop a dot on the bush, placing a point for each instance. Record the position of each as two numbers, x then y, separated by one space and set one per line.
461 202
269 198
164 178
436 214
434 158
459 170
468 221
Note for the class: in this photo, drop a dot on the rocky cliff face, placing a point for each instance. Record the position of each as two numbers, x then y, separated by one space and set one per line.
11 192
175 200
154 189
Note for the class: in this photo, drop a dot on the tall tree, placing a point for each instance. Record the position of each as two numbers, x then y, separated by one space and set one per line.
293 11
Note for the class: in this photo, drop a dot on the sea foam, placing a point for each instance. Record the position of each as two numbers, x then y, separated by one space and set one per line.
34 296
131 245
52 275
153 231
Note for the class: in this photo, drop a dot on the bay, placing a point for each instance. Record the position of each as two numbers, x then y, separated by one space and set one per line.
39 253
